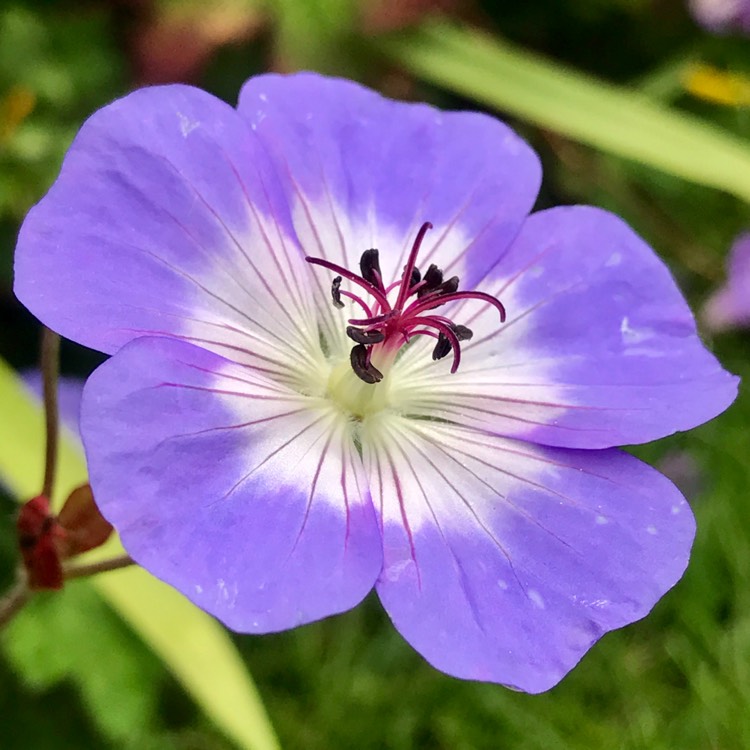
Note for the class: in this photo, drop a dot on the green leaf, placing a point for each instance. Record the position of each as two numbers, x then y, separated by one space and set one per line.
74 635
550 95
314 34
192 645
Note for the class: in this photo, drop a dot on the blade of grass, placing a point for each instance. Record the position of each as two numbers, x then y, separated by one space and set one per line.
546 93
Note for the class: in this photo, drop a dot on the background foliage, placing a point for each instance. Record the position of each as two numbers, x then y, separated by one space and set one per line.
630 106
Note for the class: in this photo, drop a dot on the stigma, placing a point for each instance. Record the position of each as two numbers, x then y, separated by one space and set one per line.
394 314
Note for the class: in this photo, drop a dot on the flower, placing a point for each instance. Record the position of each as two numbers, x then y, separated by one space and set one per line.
274 466
729 306
722 15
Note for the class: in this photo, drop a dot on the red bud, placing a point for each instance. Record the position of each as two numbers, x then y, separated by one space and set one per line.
38 537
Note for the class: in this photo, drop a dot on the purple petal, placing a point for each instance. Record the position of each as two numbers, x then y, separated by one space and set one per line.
247 497
168 219
722 15
368 172
729 306
505 562
599 348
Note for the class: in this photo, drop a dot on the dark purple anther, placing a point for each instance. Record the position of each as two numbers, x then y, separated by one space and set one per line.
336 292
369 265
365 337
363 368
433 278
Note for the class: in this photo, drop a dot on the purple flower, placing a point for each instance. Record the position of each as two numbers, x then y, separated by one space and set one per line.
729 306
722 15
275 455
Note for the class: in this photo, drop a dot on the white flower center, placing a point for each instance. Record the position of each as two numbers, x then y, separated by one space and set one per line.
355 398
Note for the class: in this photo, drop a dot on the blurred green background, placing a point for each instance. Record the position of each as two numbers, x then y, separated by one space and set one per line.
632 106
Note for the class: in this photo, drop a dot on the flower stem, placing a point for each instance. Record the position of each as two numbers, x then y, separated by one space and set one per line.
50 370
101 566
12 603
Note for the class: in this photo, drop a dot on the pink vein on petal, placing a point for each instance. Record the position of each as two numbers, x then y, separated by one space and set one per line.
230 234
404 517
466 504
456 564
244 478
313 487
299 301
449 454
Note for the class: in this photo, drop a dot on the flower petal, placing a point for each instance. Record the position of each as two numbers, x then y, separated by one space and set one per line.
167 219
505 561
722 15
245 496
729 306
599 348
368 172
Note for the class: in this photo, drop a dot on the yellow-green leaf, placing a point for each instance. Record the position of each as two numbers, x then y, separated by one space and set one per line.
612 118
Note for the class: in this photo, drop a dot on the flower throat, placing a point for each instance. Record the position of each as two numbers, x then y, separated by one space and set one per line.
386 327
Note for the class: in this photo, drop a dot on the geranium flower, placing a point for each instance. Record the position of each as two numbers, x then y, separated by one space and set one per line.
291 418
722 15
729 306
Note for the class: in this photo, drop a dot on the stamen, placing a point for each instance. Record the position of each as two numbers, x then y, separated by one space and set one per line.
374 320
410 263
432 302
450 286
432 279
365 337
463 333
392 286
336 291
446 332
358 300
363 368
347 274
442 347
369 265
394 325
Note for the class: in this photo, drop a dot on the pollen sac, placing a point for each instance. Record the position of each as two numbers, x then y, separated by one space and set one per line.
416 276
369 265
336 292
364 337
432 279
443 346
449 286
462 332
363 368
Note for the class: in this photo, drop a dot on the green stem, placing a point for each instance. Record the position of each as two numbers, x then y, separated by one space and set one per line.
50 371
101 566
12 603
